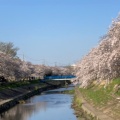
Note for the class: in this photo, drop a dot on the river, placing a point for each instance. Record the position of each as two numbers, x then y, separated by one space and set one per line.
49 105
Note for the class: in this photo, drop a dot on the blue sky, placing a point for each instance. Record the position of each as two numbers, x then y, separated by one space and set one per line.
55 31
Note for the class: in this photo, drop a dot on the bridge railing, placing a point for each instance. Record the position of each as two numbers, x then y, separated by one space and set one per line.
59 77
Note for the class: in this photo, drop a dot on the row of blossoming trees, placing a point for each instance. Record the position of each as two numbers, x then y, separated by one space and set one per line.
13 68
102 63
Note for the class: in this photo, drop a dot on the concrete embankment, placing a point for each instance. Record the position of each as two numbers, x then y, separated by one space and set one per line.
89 109
11 97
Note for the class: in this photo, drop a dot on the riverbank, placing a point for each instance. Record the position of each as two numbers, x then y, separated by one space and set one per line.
10 95
99 102
84 108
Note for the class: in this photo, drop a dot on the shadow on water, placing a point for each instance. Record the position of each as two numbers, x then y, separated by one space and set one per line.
50 105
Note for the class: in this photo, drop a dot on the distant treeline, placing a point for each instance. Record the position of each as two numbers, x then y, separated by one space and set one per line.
13 68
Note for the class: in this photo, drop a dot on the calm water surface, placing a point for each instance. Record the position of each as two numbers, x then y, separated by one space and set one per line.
50 105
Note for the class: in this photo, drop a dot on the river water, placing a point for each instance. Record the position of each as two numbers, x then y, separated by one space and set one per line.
50 105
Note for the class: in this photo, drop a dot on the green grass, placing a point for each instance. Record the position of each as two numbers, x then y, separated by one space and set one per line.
77 101
100 95
18 84
69 91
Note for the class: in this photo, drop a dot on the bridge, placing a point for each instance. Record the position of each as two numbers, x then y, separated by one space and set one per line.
64 77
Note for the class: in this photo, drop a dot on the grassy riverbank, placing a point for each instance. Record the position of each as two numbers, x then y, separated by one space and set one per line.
79 112
104 99
100 96
18 84
13 89
69 92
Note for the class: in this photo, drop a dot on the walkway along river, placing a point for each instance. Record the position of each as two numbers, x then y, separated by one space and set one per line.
49 105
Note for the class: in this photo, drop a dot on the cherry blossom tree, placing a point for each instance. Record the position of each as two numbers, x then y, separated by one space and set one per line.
102 63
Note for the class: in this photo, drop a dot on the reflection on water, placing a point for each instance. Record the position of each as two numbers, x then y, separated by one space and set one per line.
47 106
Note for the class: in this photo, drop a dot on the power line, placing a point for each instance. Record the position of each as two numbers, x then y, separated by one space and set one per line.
43 61
26 56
